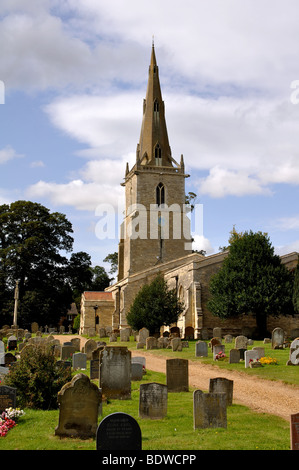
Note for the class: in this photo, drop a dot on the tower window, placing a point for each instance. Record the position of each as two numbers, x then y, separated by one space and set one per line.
158 155
160 194
156 106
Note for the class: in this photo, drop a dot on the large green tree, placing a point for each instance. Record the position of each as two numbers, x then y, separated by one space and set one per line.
155 305
252 280
33 247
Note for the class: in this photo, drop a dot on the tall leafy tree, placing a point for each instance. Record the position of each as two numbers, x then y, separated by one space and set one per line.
155 305
252 280
33 244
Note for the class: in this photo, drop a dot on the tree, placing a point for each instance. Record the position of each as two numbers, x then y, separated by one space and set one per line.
252 280
155 305
100 279
113 259
32 245
296 289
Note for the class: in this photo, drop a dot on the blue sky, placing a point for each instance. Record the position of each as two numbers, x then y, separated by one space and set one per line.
75 74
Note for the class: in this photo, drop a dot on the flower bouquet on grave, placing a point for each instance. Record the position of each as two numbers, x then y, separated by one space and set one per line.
268 360
253 363
220 356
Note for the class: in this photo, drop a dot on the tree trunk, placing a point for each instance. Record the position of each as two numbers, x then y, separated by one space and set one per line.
261 324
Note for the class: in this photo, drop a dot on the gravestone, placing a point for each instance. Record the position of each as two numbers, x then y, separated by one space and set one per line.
143 334
176 344
234 356
153 401
136 371
34 327
115 372
94 368
277 338
125 334
217 332
241 342
250 355
113 338
79 404
222 385
209 410
67 352
119 431
214 342
201 349
12 343
177 375
139 359
151 342
204 333
8 396
294 353
294 428
9 359
242 353
96 352
89 346
260 350
2 353
228 339
76 343
79 360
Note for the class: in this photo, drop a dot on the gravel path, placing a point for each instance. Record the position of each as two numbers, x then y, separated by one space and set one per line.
260 395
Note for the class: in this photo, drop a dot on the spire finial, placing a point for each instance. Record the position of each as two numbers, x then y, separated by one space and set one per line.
153 41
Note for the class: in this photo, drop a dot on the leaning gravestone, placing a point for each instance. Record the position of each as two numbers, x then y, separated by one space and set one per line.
222 385
119 431
79 404
8 396
201 349
209 410
115 372
177 375
277 338
153 401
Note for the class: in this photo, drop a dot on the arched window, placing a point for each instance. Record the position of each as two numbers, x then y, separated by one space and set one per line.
160 194
158 155
156 106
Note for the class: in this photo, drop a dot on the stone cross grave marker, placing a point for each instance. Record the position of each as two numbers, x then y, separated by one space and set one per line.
209 410
79 404
153 401
177 375
119 431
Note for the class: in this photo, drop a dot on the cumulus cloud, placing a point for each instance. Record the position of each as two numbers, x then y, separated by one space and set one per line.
8 153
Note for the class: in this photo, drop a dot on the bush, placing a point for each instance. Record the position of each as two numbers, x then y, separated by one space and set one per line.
37 378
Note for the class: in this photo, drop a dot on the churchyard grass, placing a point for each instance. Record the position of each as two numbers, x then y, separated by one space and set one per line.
246 430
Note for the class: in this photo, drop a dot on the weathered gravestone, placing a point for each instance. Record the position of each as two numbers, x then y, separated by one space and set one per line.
136 371
2 353
241 342
217 332
125 334
209 410
153 401
294 353
294 429
119 431
8 396
140 359
277 338
234 356
9 358
94 368
79 405
218 348
34 327
222 385
115 372
201 349
67 352
143 334
260 351
89 346
176 344
79 360
151 342
76 343
177 375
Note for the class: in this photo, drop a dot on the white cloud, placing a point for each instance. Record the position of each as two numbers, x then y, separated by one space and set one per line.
8 153
202 243
37 164
288 223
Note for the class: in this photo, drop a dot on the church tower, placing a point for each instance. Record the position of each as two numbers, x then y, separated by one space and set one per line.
155 227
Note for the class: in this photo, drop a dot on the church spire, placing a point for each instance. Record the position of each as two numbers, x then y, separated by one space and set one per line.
153 148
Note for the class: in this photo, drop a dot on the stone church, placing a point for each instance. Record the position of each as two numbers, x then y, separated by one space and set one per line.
156 238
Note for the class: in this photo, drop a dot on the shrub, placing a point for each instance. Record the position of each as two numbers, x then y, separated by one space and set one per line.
37 378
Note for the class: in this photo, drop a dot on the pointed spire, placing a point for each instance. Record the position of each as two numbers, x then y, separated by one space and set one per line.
154 149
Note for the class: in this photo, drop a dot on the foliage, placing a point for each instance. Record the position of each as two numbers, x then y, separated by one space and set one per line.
76 324
113 259
37 378
296 290
155 305
252 280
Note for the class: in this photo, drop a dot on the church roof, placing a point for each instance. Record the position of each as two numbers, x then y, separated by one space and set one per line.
97 295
